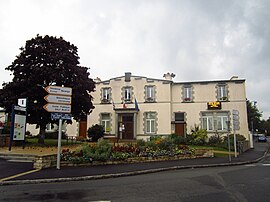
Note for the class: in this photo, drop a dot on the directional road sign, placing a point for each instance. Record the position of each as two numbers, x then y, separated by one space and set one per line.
58 90
59 99
236 124
56 115
51 107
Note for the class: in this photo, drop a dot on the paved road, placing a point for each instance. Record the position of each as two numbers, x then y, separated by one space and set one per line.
8 169
235 183
71 173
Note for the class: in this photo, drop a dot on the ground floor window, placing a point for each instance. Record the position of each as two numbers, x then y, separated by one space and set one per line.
106 122
150 122
215 121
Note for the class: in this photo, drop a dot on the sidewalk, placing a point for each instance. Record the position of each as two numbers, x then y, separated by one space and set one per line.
107 171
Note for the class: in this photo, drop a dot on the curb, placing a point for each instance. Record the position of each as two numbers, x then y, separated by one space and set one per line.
125 174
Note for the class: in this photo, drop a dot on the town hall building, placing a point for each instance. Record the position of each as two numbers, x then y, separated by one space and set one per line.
136 107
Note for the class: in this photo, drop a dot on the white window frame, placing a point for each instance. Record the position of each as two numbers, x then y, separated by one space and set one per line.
106 94
127 94
215 121
150 123
150 93
223 122
106 122
187 93
222 93
208 123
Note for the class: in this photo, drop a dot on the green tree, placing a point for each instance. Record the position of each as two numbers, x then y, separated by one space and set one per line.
254 115
95 132
265 127
46 61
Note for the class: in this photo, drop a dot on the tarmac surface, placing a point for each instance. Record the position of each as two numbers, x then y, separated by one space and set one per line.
23 173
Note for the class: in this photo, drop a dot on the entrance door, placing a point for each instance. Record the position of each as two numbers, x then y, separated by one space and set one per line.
82 128
127 121
180 129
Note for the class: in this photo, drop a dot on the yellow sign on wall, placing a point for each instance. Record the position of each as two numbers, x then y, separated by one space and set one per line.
213 105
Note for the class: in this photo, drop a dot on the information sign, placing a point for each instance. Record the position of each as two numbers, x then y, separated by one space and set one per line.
58 90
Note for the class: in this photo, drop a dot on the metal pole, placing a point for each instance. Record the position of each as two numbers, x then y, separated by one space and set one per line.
229 147
235 150
229 143
252 128
59 143
11 128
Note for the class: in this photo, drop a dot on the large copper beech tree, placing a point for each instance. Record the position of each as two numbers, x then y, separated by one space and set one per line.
46 61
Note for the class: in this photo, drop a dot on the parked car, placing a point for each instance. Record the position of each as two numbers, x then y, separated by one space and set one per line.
262 138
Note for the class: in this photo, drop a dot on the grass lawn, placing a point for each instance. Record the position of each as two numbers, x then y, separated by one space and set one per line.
218 151
50 142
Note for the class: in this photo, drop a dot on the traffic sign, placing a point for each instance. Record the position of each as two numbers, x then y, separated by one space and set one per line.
60 99
19 108
58 90
236 124
51 107
56 115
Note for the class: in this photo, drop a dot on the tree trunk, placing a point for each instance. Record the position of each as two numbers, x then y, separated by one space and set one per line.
41 135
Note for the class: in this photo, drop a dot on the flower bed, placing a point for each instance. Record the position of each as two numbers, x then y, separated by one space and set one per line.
104 153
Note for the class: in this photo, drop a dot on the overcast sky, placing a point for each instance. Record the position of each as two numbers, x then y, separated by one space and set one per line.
194 39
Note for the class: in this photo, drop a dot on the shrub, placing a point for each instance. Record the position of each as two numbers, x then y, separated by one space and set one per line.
95 132
102 150
198 137
165 144
54 135
140 143
238 138
177 139
215 140
6 129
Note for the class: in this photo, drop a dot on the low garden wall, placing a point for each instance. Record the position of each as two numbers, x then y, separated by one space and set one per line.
4 140
48 161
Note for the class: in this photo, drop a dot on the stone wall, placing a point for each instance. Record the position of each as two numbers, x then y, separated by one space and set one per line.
4 140
48 161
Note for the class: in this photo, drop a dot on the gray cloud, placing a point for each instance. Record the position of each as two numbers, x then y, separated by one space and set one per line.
197 40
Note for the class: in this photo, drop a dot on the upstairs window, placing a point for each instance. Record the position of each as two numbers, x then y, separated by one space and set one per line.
187 94
127 94
222 92
106 95
149 93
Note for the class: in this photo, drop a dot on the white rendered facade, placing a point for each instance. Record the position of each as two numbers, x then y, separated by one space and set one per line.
136 107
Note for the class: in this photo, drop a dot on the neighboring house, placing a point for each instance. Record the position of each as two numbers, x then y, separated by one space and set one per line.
136 107
3 116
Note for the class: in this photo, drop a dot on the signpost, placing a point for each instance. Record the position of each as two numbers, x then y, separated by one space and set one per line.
52 107
57 116
235 127
18 122
59 103
58 99
58 90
